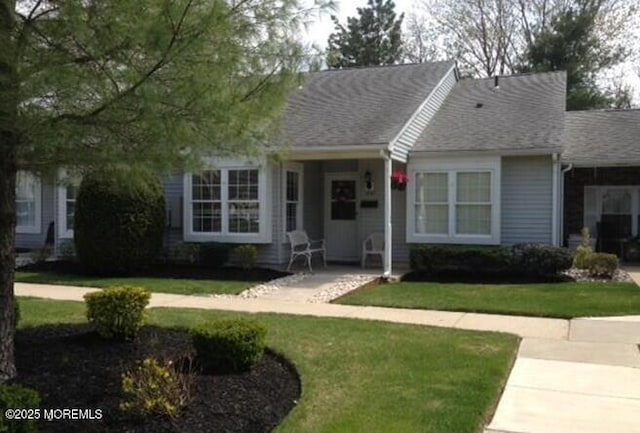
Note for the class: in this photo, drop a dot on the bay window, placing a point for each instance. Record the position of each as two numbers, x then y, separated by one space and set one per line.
226 205
454 202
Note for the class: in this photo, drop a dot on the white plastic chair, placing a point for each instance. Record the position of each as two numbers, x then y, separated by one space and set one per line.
302 246
373 245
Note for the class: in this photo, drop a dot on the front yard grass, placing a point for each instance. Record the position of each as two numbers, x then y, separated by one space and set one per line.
180 286
561 300
363 376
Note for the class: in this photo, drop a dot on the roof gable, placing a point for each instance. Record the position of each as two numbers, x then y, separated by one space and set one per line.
359 106
524 112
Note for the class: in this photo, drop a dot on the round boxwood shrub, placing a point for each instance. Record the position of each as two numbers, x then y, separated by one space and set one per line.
229 346
119 220
18 397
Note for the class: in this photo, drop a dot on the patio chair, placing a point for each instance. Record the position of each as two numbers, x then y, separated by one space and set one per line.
302 246
373 245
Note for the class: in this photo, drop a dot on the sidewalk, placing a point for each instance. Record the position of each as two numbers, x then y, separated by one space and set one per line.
578 376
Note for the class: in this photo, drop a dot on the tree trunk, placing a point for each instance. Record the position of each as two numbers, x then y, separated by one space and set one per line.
7 253
9 91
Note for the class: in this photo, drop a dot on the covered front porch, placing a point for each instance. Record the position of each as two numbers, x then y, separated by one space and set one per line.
344 201
607 201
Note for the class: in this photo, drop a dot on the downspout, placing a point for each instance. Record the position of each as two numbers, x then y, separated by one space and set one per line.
388 167
554 201
562 177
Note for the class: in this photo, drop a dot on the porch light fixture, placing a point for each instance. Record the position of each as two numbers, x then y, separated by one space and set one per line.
368 182
399 180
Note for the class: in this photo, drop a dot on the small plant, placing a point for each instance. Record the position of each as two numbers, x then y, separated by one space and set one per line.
66 251
247 256
40 255
156 388
18 397
584 250
229 345
602 265
117 312
214 255
187 253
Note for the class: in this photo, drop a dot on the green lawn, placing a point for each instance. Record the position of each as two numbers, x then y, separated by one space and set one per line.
364 376
564 300
163 285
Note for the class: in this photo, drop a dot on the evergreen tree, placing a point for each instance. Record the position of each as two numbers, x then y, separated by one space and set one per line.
373 38
86 83
573 45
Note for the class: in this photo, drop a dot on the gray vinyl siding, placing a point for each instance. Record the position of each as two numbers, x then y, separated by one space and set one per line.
37 240
313 201
526 199
414 129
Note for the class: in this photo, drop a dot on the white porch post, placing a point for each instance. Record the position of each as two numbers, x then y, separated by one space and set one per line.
555 235
388 167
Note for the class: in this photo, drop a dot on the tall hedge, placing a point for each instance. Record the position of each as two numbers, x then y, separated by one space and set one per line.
119 220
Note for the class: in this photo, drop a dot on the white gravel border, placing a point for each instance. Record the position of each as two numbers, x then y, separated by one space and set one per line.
344 285
582 276
268 287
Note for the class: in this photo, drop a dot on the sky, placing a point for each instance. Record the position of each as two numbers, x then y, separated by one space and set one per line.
319 30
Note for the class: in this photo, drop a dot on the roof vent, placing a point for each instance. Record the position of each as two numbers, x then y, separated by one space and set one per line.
496 82
479 105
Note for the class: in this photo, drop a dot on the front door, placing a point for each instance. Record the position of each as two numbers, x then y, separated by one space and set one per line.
341 216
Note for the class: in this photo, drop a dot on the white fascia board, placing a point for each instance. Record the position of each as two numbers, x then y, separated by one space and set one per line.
420 108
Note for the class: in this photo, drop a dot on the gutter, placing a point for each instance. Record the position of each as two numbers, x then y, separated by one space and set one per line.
555 206
563 172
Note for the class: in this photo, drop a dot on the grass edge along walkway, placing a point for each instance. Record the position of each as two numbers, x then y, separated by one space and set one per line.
554 300
363 376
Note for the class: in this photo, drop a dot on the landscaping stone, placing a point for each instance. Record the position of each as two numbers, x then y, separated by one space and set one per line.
582 276
344 285
269 287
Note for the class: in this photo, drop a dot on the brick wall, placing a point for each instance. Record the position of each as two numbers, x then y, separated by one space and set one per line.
578 178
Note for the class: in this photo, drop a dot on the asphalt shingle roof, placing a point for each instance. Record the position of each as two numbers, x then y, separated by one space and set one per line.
602 137
525 112
360 106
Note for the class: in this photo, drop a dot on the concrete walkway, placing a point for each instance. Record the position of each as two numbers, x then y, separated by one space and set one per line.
579 376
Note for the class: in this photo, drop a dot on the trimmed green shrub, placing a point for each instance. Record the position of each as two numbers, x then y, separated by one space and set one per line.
117 312
541 260
602 265
214 255
156 388
228 346
119 220
246 256
186 253
459 258
18 397
584 250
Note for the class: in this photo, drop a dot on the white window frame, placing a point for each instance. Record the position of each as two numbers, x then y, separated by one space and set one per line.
299 169
36 228
226 165
64 180
452 166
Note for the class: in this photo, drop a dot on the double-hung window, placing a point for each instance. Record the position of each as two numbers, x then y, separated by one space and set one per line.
28 203
226 205
292 193
454 202
67 193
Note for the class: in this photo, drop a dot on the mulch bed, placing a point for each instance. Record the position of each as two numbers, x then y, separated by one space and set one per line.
167 270
72 367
